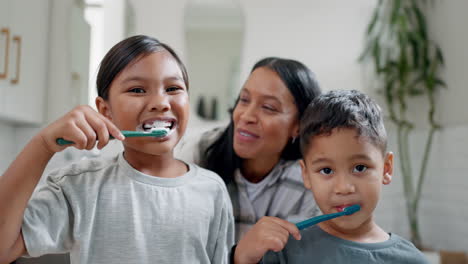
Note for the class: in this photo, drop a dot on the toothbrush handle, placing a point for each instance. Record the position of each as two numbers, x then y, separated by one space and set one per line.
63 142
126 133
315 220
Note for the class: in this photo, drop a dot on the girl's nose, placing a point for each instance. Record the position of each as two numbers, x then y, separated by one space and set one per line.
159 102
343 185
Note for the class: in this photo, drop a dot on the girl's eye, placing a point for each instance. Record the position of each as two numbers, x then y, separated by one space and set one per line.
137 90
326 171
173 89
360 168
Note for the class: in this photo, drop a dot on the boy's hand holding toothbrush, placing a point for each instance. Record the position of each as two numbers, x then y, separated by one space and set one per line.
269 233
82 125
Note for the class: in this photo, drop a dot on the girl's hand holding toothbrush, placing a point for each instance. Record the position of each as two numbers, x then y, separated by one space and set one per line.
82 125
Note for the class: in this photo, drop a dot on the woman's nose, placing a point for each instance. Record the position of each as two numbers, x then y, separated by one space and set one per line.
249 114
158 101
343 185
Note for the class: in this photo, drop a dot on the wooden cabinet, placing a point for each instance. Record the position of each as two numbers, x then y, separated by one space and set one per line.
24 43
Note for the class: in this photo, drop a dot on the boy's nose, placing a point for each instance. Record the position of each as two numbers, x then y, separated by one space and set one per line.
343 185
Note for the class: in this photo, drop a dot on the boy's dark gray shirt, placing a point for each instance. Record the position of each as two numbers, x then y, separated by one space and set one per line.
317 246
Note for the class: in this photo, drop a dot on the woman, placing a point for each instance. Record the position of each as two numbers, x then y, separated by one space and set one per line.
256 155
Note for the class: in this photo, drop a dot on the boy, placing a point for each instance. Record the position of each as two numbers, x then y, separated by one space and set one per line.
343 142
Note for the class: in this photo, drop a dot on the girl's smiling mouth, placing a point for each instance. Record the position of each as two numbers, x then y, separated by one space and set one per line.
167 124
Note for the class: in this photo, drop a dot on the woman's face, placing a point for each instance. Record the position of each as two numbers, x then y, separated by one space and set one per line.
265 118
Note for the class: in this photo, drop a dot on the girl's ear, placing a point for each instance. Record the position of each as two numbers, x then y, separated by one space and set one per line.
305 177
388 168
103 107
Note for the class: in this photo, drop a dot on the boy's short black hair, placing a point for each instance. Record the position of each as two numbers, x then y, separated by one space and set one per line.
343 109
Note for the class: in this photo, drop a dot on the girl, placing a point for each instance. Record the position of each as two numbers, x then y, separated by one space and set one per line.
142 206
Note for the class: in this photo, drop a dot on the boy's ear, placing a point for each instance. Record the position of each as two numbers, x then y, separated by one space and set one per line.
388 168
305 178
103 107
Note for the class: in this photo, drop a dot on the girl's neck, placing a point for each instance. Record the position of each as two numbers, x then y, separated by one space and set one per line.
164 166
368 232
255 170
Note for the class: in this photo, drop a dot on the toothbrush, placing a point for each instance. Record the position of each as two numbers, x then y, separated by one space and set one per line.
126 133
315 220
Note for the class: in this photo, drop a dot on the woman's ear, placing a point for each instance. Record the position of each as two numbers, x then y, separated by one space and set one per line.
388 168
103 107
295 130
305 176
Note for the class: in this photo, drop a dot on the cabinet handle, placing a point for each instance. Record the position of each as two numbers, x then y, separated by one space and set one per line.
17 39
5 31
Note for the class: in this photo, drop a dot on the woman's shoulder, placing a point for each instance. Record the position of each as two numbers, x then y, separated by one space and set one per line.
195 142
290 170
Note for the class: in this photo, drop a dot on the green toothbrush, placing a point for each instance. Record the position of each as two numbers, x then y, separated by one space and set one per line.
126 133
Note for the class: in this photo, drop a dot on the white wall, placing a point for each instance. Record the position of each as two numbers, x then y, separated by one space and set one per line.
7 145
325 35
213 55
163 20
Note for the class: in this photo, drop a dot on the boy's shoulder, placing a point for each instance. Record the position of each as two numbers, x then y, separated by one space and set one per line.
325 248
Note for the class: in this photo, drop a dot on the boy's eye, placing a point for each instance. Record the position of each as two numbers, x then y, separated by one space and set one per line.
326 171
136 90
360 168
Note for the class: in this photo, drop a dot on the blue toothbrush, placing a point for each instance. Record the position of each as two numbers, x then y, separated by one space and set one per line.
315 220
126 133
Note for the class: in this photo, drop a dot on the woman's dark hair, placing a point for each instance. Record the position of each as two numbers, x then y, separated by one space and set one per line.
125 52
220 156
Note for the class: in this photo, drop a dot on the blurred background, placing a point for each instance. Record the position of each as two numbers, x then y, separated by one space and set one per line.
50 52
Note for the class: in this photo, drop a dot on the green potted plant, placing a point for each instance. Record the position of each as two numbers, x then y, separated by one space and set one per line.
406 63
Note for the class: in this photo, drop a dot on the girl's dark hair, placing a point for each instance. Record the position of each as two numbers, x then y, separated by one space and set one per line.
125 52
220 156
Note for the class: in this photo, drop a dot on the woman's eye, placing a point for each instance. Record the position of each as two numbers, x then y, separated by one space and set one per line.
326 171
269 108
137 90
360 168
243 100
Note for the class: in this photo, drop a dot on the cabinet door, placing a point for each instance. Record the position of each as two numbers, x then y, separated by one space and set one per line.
5 34
24 99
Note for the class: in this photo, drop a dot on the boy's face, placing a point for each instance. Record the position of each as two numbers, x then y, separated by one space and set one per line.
151 89
342 169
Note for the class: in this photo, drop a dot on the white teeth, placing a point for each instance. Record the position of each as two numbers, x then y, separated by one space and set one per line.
156 125
245 134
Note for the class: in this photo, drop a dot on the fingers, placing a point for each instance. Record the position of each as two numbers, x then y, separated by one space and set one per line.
290 227
83 126
269 233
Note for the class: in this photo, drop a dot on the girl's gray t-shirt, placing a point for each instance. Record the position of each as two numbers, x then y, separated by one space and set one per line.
105 211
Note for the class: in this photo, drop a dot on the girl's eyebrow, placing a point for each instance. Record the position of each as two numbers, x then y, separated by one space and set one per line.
133 78
139 78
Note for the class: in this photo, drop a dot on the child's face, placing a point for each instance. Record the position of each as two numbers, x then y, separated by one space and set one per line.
149 89
342 169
